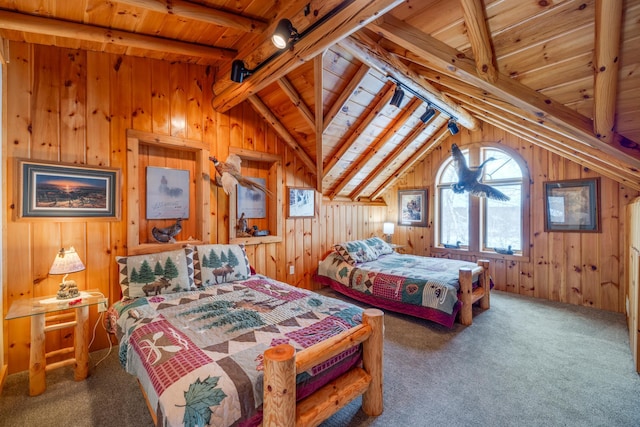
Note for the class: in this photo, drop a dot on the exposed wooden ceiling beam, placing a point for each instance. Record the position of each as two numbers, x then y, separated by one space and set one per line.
353 17
53 27
318 80
294 96
442 134
263 110
195 12
449 60
495 113
583 154
383 98
345 94
478 33
373 149
370 52
605 89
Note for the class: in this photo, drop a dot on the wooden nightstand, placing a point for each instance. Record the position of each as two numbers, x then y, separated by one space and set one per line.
43 310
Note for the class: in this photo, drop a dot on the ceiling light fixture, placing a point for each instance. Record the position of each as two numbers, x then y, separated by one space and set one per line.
397 97
284 34
428 114
453 127
238 71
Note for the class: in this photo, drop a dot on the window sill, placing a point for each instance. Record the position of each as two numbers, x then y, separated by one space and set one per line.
480 255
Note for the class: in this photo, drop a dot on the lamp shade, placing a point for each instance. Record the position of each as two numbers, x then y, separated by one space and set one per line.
66 261
387 228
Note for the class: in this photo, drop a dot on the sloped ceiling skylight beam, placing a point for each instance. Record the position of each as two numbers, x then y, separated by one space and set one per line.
383 98
400 121
366 50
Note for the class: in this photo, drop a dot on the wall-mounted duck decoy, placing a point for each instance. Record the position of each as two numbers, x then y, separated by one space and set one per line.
230 175
167 234
450 246
468 178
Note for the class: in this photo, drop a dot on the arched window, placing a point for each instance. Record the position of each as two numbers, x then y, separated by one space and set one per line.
479 224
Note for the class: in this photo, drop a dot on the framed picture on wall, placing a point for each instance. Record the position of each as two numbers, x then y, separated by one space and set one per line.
301 202
251 202
57 190
167 193
572 205
412 207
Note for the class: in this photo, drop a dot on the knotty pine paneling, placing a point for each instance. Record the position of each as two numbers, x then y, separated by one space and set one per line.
75 106
576 268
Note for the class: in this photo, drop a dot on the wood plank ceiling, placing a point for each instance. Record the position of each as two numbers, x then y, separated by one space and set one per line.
561 74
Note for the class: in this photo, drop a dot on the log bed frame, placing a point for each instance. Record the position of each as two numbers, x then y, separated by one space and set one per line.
281 364
469 295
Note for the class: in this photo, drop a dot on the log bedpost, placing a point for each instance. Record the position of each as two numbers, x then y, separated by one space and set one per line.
485 281
466 296
372 352
279 406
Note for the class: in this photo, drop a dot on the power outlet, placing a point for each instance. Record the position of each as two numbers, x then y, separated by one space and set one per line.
292 269
102 306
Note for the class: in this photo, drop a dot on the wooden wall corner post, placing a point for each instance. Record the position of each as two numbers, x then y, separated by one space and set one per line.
466 288
37 357
81 343
485 280
279 406
372 399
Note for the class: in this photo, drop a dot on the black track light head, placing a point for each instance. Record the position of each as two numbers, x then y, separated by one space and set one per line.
428 114
397 97
238 71
284 34
453 127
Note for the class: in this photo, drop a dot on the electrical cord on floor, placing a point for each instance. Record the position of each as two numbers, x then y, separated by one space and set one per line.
93 336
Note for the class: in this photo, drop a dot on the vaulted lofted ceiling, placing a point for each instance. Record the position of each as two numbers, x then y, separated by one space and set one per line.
561 74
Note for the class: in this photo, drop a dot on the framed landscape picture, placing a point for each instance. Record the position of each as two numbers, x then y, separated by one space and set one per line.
572 205
56 190
412 207
301 202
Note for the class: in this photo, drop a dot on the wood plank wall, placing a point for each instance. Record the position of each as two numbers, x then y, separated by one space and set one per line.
632 300
577 268
75 106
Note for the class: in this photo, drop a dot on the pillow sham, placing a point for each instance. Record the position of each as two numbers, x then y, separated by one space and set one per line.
155 274
355 251
216 264
378 246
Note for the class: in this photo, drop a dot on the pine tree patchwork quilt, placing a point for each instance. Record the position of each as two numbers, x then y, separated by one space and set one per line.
198 354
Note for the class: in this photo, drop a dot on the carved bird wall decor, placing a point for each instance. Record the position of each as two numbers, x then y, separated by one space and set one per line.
469 178
229 172
167 234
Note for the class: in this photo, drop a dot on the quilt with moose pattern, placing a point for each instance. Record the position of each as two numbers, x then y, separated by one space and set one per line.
198 354
420 286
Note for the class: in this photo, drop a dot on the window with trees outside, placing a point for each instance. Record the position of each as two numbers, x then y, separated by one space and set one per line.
479 224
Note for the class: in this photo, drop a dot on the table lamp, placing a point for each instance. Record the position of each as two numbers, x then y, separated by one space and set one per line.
65 262
387 230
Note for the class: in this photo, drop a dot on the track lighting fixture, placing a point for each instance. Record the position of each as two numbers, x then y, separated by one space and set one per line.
453 127
428 114
397 97
238 71
284 34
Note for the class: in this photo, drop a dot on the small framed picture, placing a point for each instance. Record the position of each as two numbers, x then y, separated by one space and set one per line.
572 205
57 190
167 193
412 207
301 202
